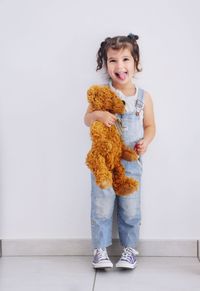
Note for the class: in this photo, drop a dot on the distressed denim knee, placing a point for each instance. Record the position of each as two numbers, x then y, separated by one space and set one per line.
129 219
103 207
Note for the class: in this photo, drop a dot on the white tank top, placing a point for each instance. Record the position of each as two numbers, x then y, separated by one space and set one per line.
130 101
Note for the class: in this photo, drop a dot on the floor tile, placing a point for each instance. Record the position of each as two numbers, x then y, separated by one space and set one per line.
153 274
46 273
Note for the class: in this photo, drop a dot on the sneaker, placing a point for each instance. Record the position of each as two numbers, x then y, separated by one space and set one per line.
128 259
101 259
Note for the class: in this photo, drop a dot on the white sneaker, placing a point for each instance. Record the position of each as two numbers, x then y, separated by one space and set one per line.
128 259
101 259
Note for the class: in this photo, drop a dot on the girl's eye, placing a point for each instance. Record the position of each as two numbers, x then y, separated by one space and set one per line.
112 61
126 59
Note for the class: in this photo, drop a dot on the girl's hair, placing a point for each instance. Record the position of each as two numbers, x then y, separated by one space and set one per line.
117 43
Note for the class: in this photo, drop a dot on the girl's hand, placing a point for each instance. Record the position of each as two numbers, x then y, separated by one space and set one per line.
141 146
106 117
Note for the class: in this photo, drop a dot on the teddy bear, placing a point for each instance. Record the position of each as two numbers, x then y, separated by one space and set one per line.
108 148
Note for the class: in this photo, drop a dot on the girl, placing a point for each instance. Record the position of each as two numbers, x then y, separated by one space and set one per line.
120 57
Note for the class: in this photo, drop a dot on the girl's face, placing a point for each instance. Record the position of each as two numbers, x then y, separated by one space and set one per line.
120 66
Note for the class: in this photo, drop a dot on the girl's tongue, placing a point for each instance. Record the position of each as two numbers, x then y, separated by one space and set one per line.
121 75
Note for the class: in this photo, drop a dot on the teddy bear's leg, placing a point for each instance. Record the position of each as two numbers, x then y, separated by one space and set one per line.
128 154
97 165
122 184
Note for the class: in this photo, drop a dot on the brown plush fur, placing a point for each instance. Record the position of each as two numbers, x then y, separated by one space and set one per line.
104 158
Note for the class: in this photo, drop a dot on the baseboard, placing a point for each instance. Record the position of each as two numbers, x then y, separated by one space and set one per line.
82 247
169 248
0 248
46 247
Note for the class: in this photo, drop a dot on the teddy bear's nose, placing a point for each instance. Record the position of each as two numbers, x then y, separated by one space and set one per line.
124 102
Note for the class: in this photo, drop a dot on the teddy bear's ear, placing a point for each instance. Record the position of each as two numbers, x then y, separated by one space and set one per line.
99 97
92 92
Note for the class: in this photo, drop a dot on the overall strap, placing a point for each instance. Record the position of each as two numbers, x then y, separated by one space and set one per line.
139 105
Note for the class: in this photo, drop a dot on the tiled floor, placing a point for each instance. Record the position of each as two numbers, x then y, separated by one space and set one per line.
68 273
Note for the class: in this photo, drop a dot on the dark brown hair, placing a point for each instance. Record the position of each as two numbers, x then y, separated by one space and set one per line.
117 43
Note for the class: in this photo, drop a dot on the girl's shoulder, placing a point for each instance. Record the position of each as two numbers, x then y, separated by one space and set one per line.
147 96
148 102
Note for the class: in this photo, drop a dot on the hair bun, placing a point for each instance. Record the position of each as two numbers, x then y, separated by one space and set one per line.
133 36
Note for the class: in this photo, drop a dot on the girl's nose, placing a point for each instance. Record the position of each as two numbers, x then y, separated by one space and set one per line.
119 65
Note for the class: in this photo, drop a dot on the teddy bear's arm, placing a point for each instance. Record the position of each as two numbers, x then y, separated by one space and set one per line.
128 154
122 184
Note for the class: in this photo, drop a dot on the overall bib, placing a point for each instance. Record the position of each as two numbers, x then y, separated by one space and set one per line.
128 207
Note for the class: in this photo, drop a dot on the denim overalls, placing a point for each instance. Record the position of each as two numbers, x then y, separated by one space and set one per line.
128 207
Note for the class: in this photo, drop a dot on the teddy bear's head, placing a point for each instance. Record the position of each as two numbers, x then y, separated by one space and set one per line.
102 98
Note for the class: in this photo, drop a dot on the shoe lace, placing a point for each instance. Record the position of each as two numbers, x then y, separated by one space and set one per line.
102 254
128 254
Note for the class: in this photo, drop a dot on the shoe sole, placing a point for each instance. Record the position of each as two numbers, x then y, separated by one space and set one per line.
102 266
126 265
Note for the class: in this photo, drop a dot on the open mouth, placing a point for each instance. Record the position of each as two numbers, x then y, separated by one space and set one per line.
121 75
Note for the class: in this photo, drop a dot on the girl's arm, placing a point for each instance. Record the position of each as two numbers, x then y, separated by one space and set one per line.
149 125
104 116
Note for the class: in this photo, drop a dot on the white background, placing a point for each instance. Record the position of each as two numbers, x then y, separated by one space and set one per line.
47 62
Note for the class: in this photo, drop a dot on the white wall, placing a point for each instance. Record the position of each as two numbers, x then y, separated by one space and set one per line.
47 62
